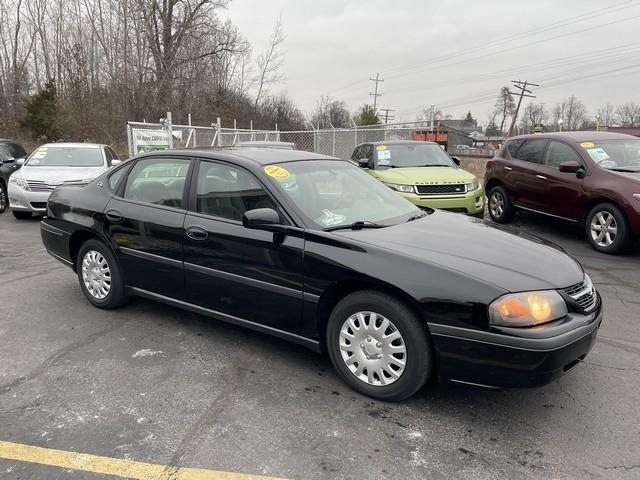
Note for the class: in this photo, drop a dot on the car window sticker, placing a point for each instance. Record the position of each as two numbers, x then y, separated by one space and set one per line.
587 145
277 172
598 155
329 218
383 157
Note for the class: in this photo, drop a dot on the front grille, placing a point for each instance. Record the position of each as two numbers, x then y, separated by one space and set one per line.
39 204
40 186
441 189
583 293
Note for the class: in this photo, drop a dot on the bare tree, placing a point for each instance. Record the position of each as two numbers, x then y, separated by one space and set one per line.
575 113
270 61
330 113
505 106
629 114
607 115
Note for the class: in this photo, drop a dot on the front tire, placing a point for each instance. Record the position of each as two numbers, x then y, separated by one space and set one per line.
607 229
379 346
99 275
500 207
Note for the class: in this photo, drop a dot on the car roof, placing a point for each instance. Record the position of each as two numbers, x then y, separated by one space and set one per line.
254 155
73 145
579 136
398 142
265 143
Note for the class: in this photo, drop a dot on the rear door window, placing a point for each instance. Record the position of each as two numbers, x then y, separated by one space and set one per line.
560 152
532 150
159 181
513 146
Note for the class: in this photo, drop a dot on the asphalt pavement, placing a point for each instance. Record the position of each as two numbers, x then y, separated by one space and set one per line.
154 384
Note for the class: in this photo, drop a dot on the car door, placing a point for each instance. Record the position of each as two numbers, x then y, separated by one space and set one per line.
144 221
525 184
249 274
563 191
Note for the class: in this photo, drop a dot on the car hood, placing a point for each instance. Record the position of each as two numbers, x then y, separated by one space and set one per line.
634 176
424 175
56 175
503 257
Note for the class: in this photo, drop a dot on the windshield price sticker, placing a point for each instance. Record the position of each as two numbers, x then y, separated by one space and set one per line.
276 172
384 155
330 219
598 155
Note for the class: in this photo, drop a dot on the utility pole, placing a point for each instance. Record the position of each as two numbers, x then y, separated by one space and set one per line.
432 116
386 115
522 86
375 93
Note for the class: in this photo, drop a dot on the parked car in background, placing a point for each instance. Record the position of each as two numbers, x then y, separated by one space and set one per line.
52 165
423 173
588 177
311 249
12 156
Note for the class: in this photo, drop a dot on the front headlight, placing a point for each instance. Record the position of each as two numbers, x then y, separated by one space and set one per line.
472 187
19 181
527 309
400 188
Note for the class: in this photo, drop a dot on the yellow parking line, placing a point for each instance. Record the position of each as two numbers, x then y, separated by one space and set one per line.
113 466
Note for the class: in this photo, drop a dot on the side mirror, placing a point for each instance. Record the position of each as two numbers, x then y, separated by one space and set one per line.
262 219
20 161
9 160
363 162
570 167
456 160
115 162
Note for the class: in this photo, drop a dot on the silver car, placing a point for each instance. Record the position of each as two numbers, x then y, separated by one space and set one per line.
55 164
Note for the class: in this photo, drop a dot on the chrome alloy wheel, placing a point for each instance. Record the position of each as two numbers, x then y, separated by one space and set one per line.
496 204
604 229
96 274
372 348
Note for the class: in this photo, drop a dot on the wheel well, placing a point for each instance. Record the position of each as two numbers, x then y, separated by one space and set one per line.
76 241
340 290
595 201
492 183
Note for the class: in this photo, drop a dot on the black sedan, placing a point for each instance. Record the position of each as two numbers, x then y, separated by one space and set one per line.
311 249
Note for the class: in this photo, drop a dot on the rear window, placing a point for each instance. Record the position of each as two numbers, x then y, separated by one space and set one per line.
513 146
532 150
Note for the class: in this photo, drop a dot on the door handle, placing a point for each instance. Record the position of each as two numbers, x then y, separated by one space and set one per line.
197 233
508 168
542 177
114 216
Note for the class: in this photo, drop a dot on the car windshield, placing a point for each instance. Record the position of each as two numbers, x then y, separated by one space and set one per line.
623 155
333 193
411 155
66 157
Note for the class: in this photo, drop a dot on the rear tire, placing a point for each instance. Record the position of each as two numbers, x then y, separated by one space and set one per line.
99 275
607 229
500 207
4 199
21 215
379 346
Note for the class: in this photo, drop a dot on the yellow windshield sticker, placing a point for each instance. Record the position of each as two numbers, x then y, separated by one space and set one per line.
276 172
42 149
381 147
587 145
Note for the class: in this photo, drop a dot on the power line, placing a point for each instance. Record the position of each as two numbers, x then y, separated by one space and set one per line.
375 95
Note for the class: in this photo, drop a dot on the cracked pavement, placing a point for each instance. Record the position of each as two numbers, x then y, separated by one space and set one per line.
156 384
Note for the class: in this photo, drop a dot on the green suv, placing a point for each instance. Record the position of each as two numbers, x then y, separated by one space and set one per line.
423 173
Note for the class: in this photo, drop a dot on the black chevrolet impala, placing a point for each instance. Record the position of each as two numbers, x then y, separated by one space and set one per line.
313 250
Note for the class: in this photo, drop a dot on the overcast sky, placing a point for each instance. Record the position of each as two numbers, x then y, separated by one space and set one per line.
455 54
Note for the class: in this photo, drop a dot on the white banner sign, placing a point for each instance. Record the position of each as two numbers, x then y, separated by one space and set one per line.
149 140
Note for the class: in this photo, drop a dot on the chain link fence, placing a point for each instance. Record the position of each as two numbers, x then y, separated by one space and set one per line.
337 142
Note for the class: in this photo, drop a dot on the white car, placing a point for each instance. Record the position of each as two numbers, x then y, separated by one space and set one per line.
55 164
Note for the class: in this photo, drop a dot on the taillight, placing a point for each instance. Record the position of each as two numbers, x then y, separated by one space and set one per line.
489 165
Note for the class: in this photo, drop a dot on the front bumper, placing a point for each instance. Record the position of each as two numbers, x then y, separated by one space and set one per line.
498 361
26 201
471 203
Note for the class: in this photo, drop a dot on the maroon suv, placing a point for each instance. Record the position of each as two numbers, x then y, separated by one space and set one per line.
587 177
